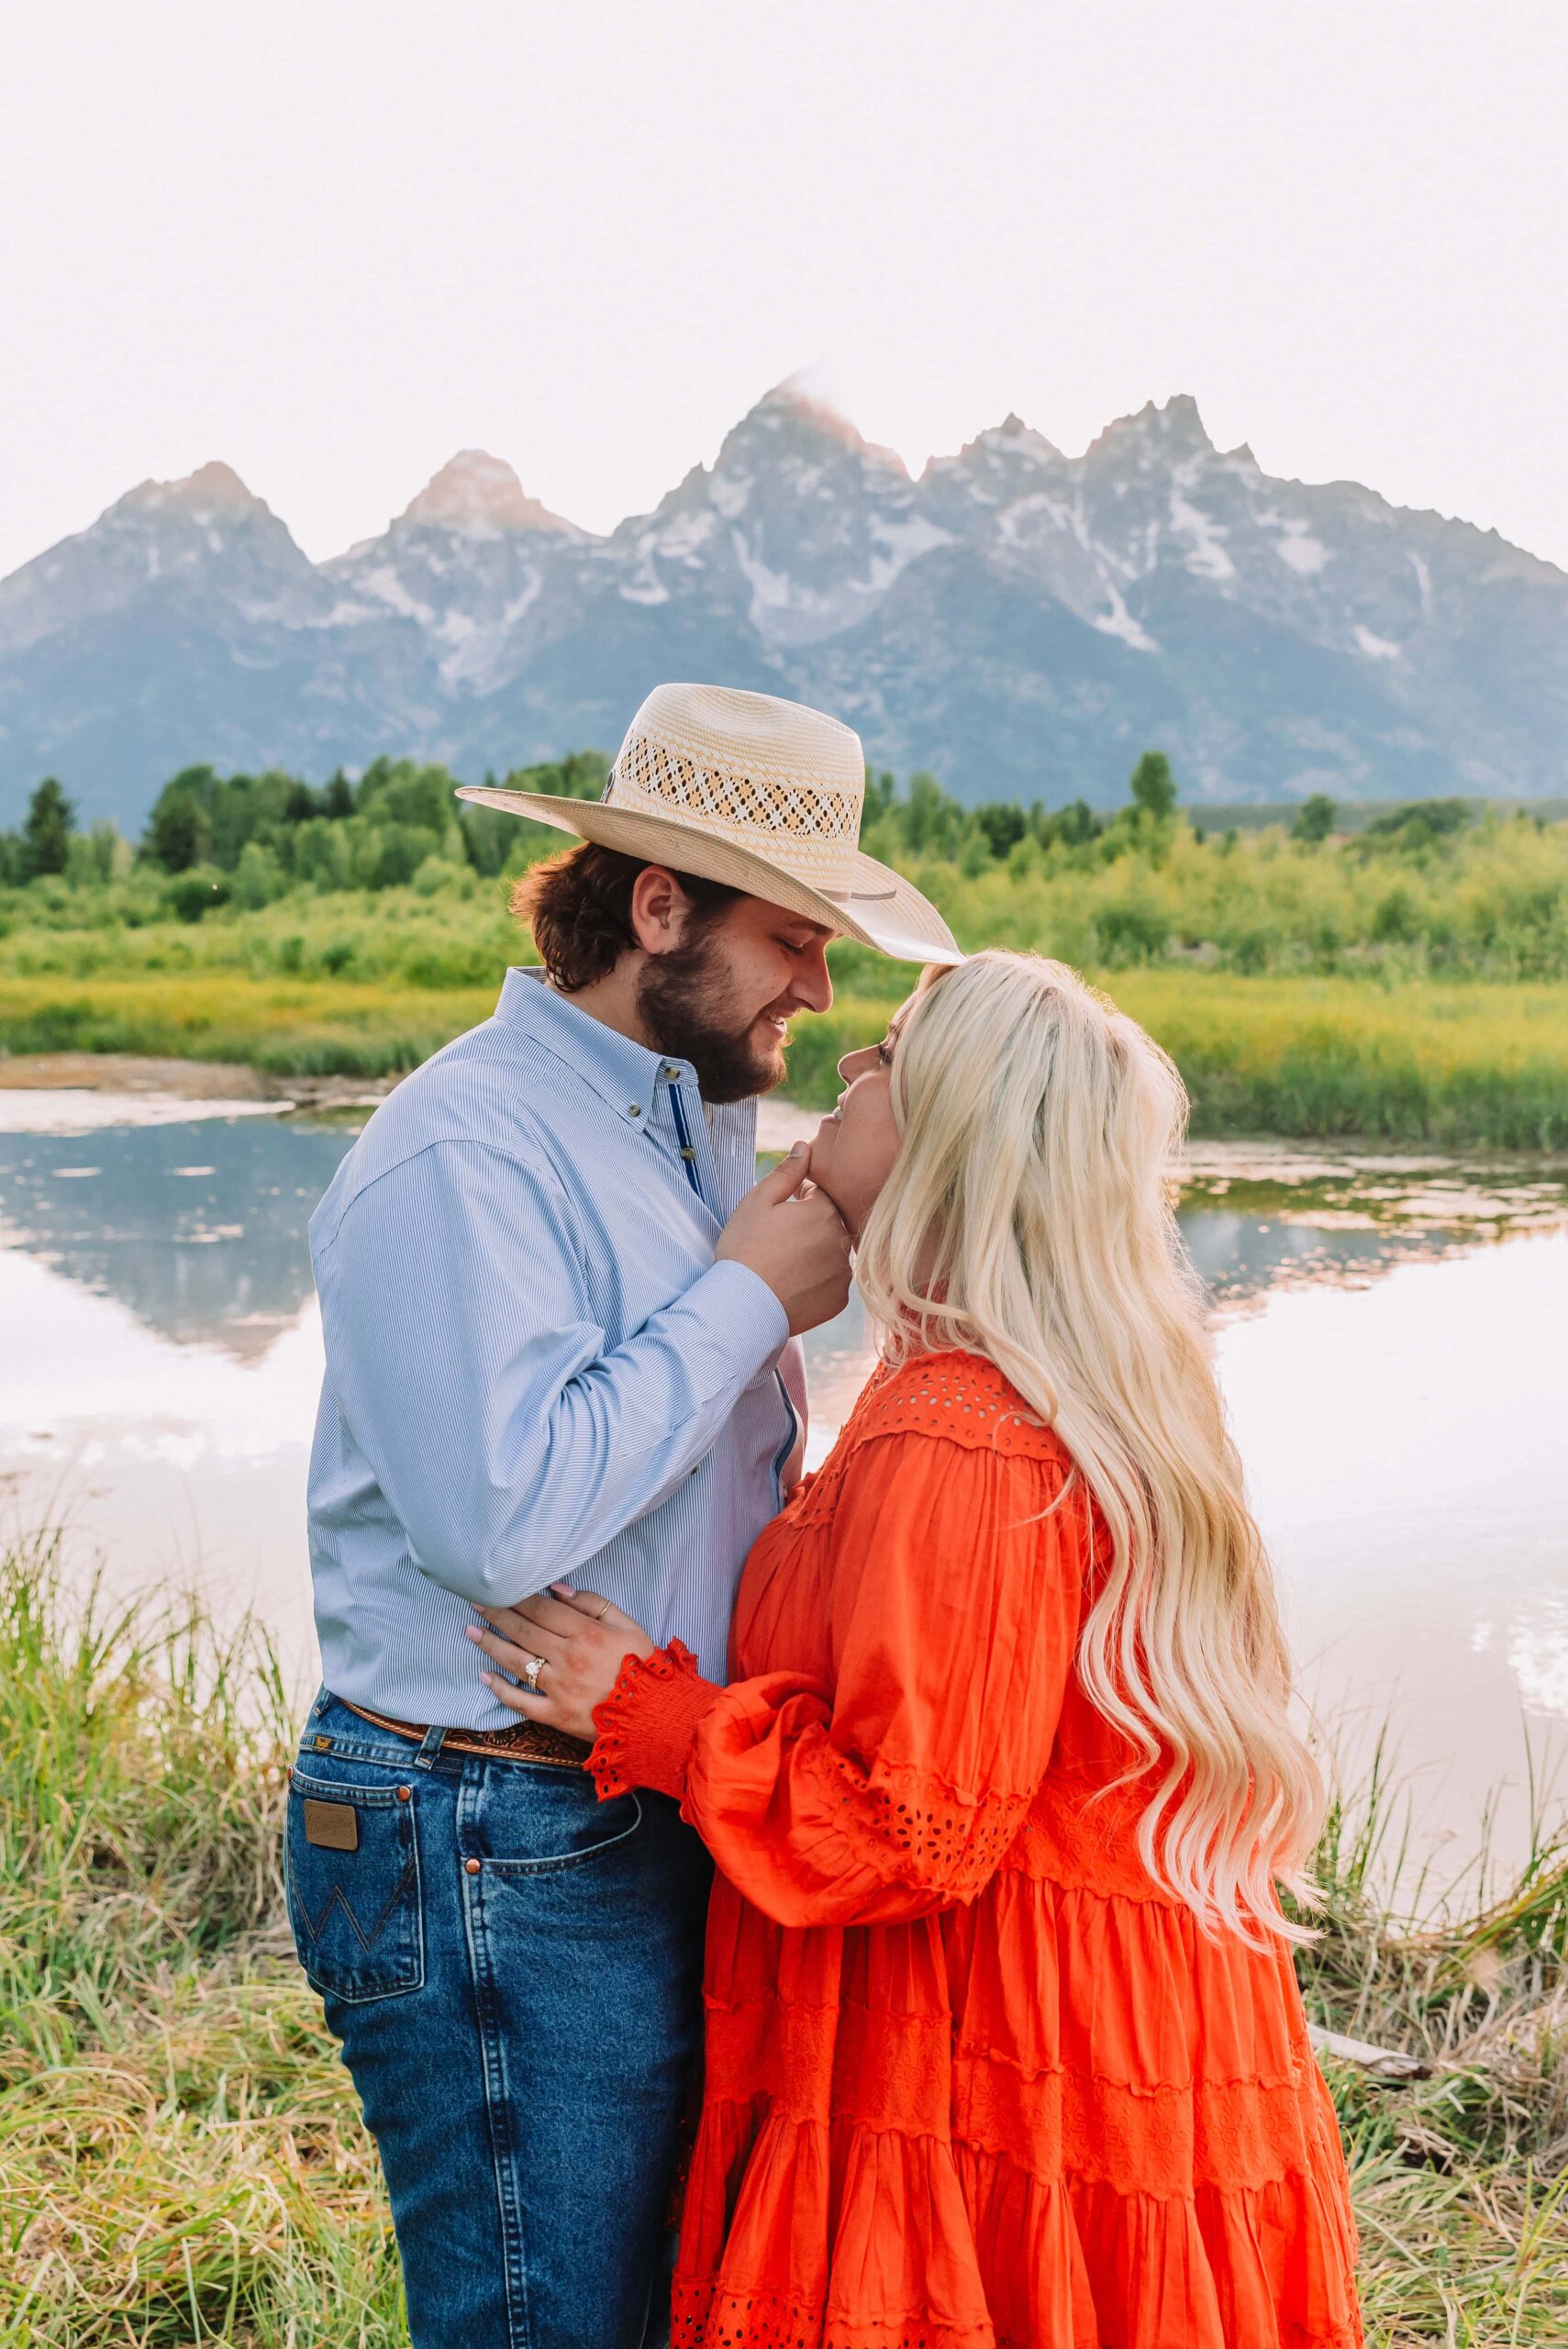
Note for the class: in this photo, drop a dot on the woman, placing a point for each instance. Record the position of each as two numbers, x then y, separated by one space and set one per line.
1003 2042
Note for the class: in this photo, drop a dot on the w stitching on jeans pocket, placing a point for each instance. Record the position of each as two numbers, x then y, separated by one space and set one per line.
339 1937
552 1862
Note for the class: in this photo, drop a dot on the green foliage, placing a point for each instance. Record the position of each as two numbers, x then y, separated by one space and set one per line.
1314 819
196 891
179 830
46 834
1418 825
1479 898
1001 826
94 858
1431 888
259 876
1397 981
376 835
1153 785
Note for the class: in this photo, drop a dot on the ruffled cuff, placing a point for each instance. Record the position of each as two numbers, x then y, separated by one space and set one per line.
648 1723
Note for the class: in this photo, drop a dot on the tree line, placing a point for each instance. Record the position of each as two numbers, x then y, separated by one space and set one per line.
212 839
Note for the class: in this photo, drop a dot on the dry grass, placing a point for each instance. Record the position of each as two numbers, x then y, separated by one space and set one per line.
181 2159
1460 2177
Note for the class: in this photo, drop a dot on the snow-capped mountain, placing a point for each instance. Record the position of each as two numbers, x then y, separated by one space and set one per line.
1022 622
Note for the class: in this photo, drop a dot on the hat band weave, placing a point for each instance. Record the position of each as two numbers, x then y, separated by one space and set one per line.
648 772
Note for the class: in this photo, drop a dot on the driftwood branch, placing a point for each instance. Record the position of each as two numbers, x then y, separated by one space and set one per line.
1383 2063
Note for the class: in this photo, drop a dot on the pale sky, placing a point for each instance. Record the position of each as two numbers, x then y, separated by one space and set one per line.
332 242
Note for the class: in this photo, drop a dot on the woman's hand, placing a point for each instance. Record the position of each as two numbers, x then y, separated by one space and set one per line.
579 1642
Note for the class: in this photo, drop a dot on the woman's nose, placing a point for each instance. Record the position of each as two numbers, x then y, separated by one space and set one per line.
853 1065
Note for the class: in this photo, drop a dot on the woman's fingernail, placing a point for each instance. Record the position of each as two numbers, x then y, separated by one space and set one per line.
488 1678
561 1589
474 1634
795 1148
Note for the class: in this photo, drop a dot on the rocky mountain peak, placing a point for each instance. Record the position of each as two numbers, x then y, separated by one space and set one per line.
213 493
1013 432
479 495
801 414
1155 436
1012 441
1018 620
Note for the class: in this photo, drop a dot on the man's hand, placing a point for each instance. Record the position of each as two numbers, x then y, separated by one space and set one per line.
577 1642
794 1239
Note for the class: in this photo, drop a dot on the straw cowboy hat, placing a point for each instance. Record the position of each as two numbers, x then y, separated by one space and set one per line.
761 793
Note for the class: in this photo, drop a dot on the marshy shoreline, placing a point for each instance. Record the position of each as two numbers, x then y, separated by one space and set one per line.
180 2156
147 1085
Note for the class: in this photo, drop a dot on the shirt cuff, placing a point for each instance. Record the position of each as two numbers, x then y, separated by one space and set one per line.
648 1724
740 1316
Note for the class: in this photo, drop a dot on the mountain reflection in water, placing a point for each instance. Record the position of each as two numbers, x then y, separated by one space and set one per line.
1404 1447
199 1228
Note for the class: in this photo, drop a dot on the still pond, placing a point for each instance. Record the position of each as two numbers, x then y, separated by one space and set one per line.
1390 1337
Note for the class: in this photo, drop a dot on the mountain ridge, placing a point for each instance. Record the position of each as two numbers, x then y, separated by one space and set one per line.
1020 621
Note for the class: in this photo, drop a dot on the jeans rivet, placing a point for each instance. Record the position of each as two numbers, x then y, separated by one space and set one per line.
404 1794
322 1746
470 1868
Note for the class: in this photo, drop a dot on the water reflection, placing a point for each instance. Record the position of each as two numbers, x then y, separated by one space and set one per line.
1397 1381
1241 1256
198 1228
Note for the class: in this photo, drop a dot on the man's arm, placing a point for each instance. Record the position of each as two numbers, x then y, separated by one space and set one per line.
510 1441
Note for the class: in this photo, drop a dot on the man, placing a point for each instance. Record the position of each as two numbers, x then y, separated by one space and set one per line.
559 1330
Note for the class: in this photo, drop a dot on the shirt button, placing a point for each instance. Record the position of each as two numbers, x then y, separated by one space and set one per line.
673 1074
635 1111
470 1868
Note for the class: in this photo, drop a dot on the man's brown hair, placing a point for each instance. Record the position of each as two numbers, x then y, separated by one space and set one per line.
579 907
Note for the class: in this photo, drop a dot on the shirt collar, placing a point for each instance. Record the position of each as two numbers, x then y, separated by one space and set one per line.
625 1074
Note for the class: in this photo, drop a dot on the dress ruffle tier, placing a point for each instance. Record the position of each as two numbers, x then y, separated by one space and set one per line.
972 2080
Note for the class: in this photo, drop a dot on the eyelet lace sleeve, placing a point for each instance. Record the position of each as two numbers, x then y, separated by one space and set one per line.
648 1721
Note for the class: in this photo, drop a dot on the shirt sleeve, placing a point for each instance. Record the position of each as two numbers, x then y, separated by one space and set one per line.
510 1437
958 1575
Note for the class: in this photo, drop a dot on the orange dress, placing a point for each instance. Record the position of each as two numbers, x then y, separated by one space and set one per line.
973 2080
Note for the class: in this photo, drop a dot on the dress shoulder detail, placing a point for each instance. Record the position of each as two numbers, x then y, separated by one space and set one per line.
959 1396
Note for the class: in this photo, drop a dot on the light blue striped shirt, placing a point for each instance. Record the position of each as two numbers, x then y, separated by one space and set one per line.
535 1369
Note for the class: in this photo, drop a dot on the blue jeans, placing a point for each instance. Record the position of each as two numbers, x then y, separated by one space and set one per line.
515 1972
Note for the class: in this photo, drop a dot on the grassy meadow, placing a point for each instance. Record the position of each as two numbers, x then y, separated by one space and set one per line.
181 2157
1403 982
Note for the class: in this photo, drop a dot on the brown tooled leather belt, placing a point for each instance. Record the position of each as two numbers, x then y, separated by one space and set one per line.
526 1742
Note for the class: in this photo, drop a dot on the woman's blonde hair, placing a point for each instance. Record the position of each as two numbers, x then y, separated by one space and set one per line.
1030 1217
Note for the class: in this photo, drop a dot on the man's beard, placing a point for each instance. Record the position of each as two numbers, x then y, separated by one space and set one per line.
680 1000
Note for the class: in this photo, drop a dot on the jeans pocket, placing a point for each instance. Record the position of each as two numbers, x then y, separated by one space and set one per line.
352 1865
541 1822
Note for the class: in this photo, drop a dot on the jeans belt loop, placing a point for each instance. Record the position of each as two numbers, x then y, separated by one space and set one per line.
429 1749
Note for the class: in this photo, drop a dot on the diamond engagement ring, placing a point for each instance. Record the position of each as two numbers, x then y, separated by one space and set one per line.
532 1671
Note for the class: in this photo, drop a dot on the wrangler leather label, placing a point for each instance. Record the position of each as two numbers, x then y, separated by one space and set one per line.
336 1825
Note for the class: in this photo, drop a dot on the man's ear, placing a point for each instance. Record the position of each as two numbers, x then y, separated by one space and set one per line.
659 909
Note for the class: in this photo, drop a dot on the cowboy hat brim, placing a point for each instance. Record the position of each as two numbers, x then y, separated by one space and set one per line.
878 906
